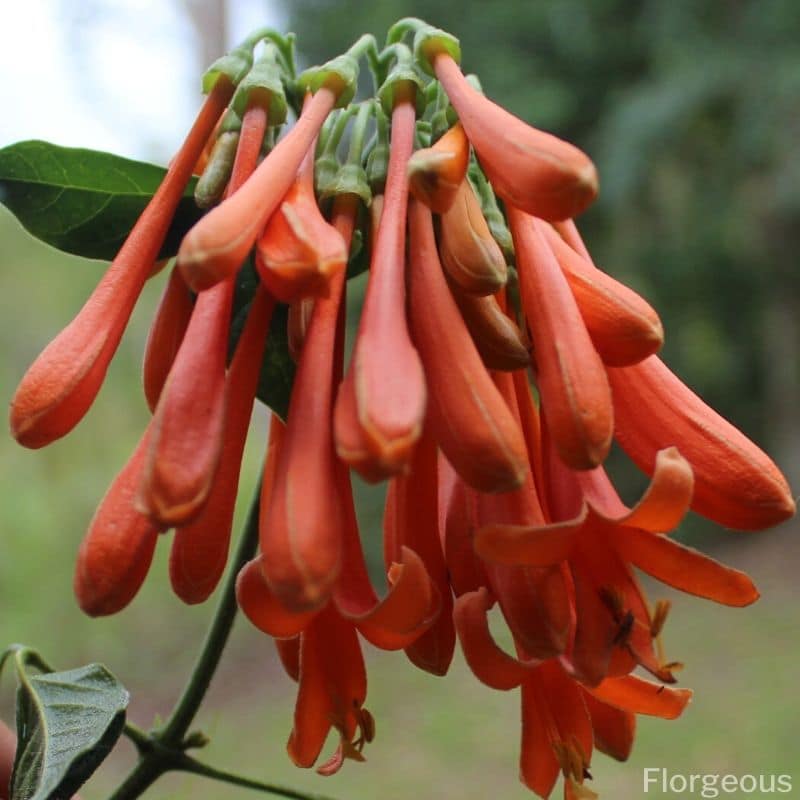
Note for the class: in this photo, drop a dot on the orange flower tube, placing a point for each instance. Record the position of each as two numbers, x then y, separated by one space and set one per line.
531 170
189 420
575 394
736 483
469 418
381 403
216 246
299 251
200 550
165 337
116 552
301 525
62 383
623 327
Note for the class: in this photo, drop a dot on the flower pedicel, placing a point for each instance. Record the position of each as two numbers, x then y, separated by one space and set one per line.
491 421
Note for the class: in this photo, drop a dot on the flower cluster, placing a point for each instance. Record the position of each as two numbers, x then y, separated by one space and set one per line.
492 367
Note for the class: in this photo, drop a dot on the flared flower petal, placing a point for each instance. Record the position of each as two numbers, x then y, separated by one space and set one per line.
640 696
613 728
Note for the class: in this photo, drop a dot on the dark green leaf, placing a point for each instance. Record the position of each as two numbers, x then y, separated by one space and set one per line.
84 201
277 370
67 723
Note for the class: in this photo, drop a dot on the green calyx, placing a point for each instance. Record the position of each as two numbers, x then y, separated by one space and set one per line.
350 178
340 74
263 84
378 159
401 75
233 66
430 42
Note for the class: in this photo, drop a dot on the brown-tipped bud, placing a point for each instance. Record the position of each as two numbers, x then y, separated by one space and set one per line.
435 173
469 253
531 170
497 337
624 327
469 418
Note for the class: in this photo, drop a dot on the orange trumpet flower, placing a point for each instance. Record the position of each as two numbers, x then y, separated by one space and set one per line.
61 384
216 246
531 170
571 378
299 250
736 483
381 402
469 419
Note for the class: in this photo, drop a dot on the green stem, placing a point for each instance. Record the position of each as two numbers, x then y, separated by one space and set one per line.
187 706
359 132
163 750
196 767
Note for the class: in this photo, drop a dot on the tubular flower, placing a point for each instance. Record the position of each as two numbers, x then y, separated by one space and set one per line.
165 337
469 418
62 383
531 170
188 423
488 396
572 380
381 402
299 251
218 244
736 483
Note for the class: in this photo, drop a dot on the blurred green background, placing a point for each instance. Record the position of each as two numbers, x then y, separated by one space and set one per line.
690 110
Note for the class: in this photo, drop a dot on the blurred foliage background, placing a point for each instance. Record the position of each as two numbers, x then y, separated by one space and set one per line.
689 109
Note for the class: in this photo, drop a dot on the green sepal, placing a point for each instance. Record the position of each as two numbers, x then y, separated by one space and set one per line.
350 179
340 74
231 122
233 65
264 78
429 42
378 158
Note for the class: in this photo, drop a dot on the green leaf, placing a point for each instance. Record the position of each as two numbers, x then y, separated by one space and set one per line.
277 369
67 723
84 202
